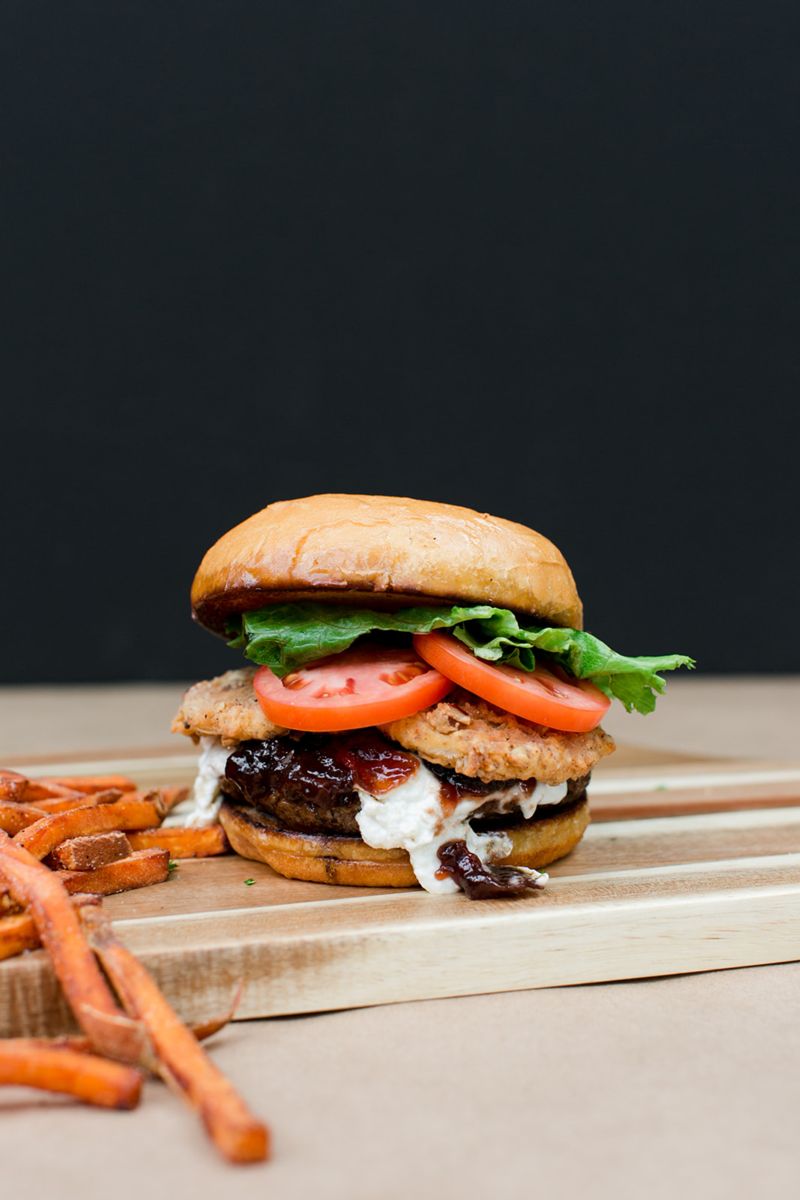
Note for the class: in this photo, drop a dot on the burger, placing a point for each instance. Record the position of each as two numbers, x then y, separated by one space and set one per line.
421 703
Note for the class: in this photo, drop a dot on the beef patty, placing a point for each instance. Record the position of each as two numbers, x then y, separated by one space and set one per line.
308 783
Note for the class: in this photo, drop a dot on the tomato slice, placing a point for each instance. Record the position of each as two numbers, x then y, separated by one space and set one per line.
365 685
538 695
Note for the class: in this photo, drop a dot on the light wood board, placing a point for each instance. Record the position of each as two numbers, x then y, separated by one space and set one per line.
715 884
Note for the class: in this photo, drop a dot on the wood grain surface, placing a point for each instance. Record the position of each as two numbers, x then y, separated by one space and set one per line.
688 866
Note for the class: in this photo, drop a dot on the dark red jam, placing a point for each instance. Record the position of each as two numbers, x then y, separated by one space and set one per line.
478 880
309 782
376 766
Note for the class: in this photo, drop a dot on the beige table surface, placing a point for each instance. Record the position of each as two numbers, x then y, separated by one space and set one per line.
686 1086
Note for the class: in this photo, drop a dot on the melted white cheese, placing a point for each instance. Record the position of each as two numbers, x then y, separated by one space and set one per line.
411 816
203 804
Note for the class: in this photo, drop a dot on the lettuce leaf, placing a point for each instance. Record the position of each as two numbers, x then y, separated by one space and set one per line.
285 637
633 681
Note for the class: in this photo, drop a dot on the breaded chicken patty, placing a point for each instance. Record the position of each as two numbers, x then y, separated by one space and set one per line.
225 707
473 738
462 732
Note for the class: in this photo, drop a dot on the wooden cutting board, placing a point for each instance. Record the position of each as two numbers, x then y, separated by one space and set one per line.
688 866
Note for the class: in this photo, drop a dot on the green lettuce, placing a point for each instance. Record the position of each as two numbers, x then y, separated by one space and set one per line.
284 637
633 681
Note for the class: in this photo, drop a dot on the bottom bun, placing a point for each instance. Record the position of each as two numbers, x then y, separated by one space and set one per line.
348 861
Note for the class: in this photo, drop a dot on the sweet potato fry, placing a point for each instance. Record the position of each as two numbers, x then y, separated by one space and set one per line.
139 869
182 1062
39 889
91 851
40 789
12 785
42 838
164 799
92 783
18 932
8 904
16 817
183 843
202 1030
64 1041
88 1078
207 1029
57 804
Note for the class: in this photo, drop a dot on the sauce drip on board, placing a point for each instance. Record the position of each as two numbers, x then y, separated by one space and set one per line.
479 881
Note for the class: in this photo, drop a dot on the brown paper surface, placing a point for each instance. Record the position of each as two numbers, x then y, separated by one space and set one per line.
686 1086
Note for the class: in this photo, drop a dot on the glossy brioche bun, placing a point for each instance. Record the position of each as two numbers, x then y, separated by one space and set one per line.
350 862
385 551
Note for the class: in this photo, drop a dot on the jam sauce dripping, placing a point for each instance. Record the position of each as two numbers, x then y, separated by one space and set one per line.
479 881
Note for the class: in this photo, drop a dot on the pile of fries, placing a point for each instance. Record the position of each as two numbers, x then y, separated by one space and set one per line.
64 843
98 833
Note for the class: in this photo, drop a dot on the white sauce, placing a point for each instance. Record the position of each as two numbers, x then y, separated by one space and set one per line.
202 806
527 802
411 816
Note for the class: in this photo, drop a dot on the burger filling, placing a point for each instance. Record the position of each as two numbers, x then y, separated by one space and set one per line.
431 729
398 787
362 785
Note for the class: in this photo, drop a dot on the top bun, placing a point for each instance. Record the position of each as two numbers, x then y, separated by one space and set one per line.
382 551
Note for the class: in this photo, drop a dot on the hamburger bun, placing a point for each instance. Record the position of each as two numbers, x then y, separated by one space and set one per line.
382 551
350 862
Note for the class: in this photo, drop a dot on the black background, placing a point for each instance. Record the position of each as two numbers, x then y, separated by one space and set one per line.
538 258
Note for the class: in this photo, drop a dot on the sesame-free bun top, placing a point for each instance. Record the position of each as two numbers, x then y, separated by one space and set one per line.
382 551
